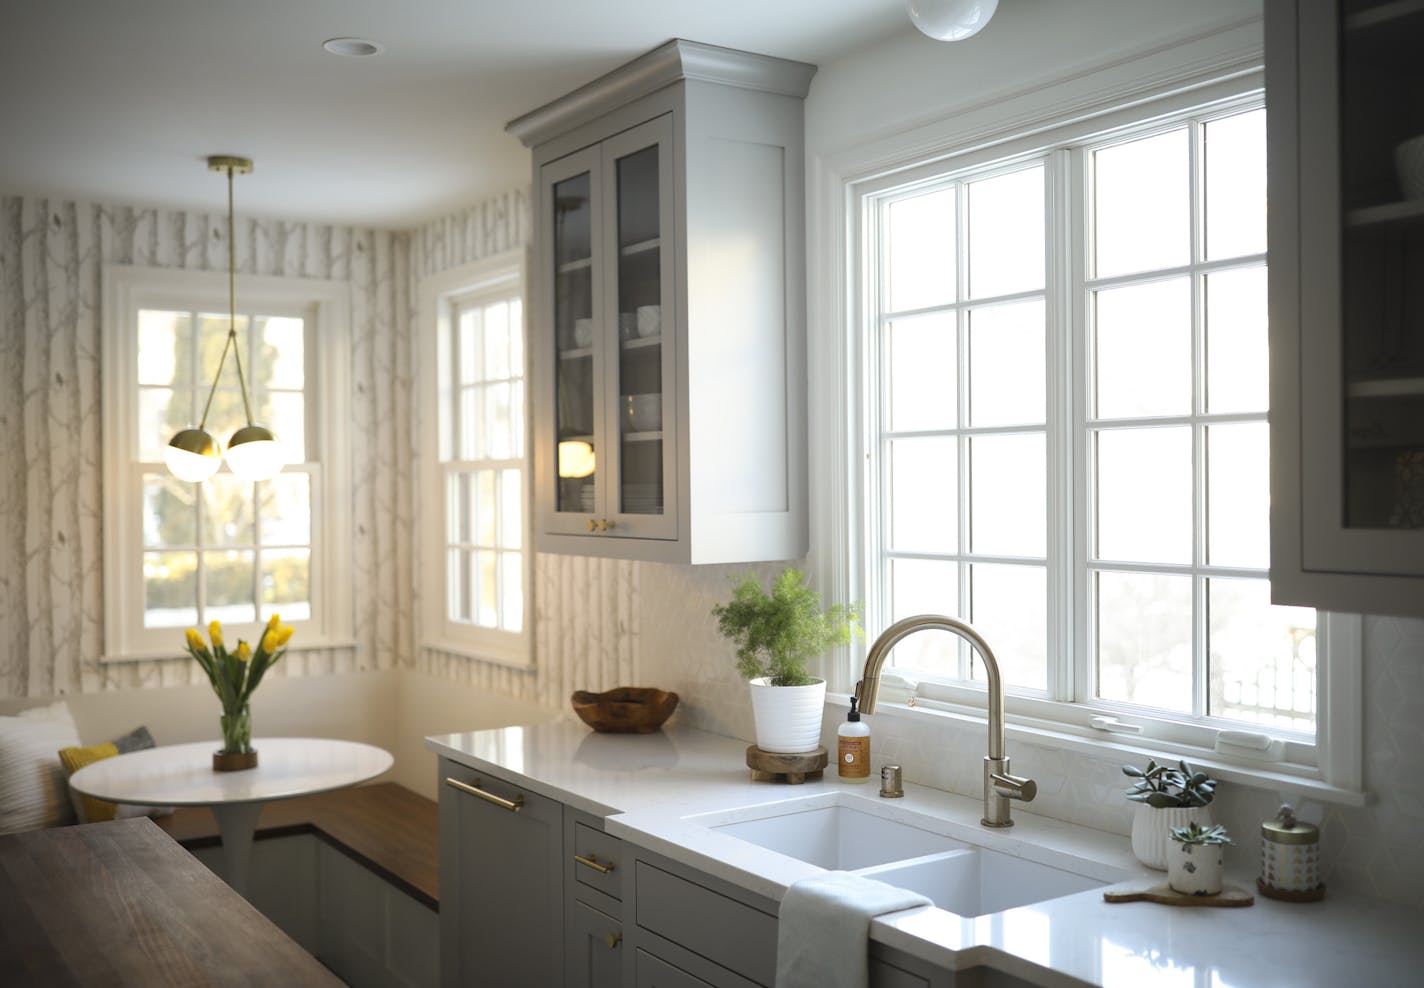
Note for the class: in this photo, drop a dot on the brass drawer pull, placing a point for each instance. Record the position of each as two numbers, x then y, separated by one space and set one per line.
513 805
613 940
594 863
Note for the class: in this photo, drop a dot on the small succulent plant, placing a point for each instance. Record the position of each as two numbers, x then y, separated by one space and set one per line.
1164 787
1195 833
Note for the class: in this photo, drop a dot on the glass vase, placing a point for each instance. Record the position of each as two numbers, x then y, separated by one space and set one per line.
237 752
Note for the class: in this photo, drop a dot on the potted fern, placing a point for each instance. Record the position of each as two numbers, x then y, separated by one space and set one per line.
776 634
1167 797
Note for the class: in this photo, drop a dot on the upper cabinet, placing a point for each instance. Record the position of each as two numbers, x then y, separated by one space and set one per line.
1345 112
668 337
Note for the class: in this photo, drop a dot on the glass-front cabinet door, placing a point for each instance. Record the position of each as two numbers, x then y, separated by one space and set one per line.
1345 112
573 279
607 261
637 181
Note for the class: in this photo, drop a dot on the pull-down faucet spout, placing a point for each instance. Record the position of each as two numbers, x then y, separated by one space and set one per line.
999 785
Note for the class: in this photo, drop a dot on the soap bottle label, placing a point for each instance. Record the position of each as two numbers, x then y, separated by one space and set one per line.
854 761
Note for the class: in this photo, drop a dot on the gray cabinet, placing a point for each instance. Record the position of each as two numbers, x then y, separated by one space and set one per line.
682 923
594 871
501 882
595 955
1344 89
667 338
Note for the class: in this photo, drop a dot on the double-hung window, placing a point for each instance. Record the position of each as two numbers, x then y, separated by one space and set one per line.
180 554
479 567
1065 434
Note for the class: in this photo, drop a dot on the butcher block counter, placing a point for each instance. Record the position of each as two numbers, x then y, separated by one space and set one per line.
121 903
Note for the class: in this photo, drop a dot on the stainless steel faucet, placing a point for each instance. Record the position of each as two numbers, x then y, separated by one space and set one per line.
999 785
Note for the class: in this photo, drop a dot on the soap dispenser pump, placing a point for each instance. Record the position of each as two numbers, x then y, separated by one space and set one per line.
853 755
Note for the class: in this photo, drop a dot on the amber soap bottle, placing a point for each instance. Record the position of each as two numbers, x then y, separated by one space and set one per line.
853 748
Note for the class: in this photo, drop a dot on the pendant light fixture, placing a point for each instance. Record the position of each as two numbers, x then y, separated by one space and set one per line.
253 452
951 20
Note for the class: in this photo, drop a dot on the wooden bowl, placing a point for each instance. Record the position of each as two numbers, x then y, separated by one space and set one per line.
625 710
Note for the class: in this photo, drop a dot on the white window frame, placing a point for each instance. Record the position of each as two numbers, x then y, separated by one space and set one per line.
437 297
325 305
841 373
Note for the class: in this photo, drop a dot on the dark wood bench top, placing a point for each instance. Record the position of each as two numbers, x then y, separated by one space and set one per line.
119 903
384 826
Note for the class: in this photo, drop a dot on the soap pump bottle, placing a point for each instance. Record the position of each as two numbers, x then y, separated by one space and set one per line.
853 756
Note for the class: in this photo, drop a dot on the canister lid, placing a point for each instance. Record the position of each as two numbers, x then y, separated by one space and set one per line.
1286 829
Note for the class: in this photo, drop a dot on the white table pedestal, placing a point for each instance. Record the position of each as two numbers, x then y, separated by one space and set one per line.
237 822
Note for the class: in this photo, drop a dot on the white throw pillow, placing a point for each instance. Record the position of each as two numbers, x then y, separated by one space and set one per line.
34 791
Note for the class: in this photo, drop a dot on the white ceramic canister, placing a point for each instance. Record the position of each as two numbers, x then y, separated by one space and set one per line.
1290 859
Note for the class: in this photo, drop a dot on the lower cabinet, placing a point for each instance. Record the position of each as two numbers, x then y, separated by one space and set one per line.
533 892
501 882
595 955
369 932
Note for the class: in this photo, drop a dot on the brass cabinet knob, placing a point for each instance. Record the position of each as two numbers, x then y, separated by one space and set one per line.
605 524
592 525
613 940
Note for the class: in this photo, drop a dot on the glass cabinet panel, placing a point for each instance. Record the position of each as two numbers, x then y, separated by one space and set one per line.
574 329
640 332
1382 261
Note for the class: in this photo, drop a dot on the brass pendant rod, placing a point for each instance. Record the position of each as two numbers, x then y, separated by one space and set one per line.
232 302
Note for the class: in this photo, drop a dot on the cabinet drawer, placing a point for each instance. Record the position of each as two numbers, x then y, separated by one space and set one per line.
593 852
730 933
654 972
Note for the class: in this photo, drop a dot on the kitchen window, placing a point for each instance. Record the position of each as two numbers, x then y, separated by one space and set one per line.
178 554
1064 375
477 497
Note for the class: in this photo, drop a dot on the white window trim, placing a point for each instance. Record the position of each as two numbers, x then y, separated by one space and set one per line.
1221 67
438 632
326 304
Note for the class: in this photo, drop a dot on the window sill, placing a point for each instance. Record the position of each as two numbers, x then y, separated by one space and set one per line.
514 659
1279 776
297 645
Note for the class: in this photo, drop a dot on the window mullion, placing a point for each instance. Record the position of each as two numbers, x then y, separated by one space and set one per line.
1196 186
964 446
1057 326
1076 384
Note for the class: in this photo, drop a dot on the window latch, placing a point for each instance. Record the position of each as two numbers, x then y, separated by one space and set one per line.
1113 725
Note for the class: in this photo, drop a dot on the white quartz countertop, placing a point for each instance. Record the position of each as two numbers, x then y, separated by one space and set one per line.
647 786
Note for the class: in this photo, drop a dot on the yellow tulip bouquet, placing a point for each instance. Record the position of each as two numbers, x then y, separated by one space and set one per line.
236 674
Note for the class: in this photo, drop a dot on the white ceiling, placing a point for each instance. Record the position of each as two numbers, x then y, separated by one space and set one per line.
120 101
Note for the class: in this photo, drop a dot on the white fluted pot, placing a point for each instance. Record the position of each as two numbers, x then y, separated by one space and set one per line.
1150 827
788 718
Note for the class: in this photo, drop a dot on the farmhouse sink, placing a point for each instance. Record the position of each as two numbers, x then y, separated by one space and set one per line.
974 882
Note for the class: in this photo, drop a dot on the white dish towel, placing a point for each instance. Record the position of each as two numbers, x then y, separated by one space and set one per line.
824 929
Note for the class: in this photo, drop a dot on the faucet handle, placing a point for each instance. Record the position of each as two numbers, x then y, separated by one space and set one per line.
1014 787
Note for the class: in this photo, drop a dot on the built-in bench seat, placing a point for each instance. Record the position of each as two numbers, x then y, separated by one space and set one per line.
383 826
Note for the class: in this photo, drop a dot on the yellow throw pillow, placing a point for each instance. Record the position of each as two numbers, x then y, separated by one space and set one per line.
91 810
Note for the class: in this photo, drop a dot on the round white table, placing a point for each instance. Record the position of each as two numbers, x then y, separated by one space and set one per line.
182 775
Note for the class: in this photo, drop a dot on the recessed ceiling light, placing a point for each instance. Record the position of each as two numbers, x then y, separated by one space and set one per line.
355 47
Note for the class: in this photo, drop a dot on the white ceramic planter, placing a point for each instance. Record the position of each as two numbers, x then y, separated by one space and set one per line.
1195 869
1150 827
788 718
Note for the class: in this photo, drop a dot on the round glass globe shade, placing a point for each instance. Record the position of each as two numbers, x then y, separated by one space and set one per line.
256 458
951 20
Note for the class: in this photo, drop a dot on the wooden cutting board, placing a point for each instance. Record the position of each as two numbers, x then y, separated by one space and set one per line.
1230 897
